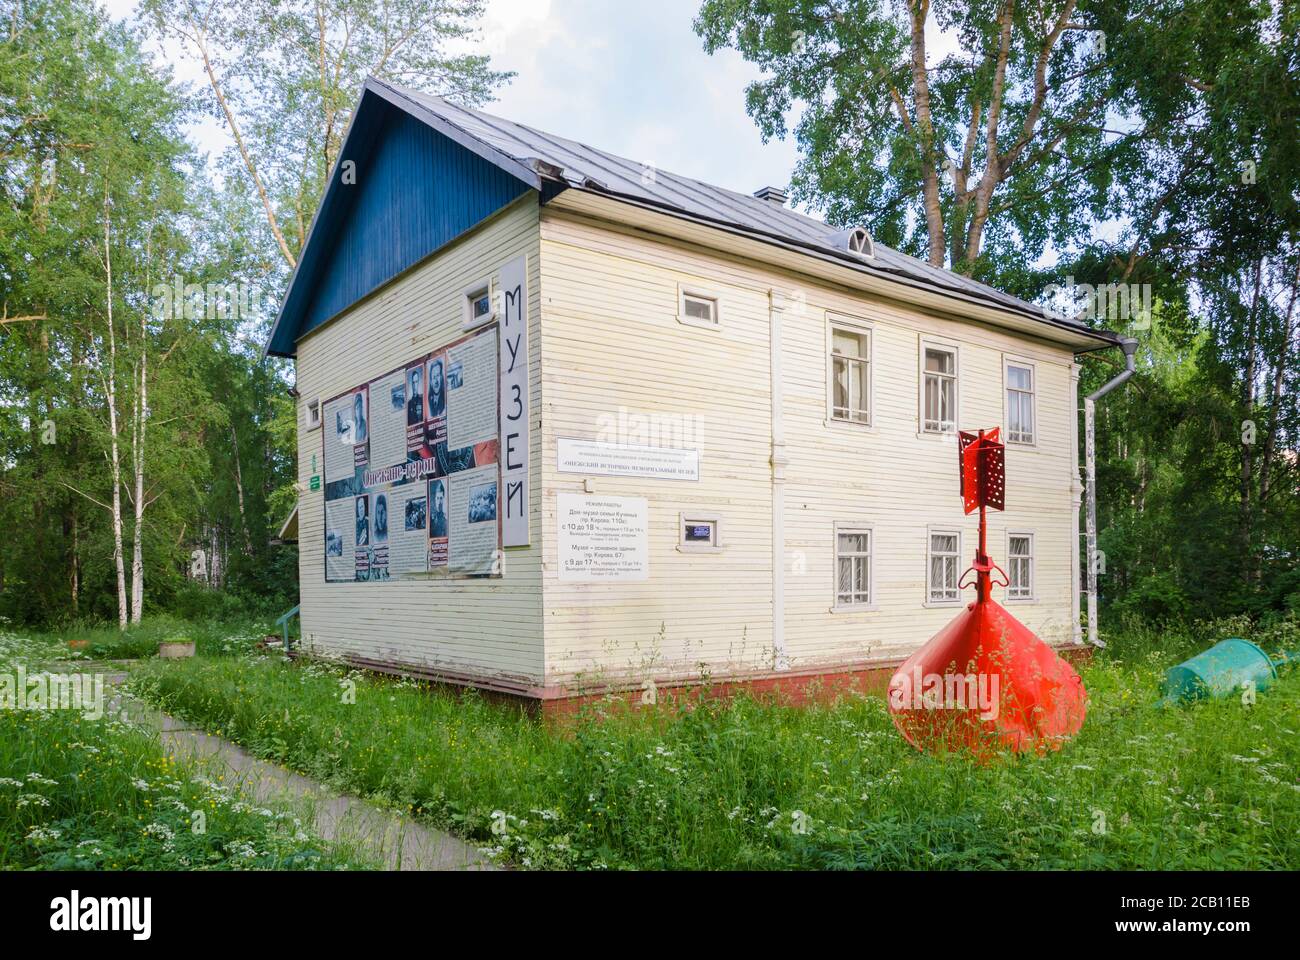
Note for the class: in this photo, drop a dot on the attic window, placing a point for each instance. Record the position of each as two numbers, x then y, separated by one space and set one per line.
698 308
313 414
856 241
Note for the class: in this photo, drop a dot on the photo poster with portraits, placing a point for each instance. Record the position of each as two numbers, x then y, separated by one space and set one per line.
412 470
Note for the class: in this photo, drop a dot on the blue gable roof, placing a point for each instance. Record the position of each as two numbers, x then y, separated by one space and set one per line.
416 189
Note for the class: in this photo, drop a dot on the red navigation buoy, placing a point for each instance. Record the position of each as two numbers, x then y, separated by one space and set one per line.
985 681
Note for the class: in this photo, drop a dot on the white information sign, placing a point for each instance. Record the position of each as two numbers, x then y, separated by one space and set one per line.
595 457
602 538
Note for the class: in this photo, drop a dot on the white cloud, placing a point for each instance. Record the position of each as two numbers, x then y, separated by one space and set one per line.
633 79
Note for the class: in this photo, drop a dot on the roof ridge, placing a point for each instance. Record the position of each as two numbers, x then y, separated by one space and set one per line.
693 197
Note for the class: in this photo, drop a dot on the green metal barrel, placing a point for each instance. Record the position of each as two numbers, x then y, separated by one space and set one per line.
1226 668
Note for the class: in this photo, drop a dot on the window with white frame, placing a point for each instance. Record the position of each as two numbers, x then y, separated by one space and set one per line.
939 389
944 554
850 374
1020 402
1020 566
478 306
313 414
700 531
698 308
852 567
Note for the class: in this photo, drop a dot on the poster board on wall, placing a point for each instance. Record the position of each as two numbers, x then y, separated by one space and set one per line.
412 469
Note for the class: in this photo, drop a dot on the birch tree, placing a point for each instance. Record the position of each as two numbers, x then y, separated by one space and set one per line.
1011 133
283 77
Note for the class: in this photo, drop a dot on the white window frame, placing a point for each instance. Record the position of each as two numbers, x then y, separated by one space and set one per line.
685 290
930 534
1032 595
1009 361
837 605
715 545
315 414
929 343
851 325
467 298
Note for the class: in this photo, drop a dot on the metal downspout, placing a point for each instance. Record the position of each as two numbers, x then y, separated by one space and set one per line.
1129 346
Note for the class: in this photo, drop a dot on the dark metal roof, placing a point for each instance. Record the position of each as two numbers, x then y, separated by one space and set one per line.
583 167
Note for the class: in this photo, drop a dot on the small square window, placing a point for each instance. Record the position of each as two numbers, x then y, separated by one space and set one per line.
702 532
478 306
701 308
697 308
313 414
698 534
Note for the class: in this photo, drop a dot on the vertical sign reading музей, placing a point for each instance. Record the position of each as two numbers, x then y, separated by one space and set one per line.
513 402
411 469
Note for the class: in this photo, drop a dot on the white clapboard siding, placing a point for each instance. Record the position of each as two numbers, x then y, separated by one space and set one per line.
489 628
612 343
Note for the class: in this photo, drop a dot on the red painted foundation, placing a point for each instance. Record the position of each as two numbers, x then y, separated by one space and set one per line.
793 688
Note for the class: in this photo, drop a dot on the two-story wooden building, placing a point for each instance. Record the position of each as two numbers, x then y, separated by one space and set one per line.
568 422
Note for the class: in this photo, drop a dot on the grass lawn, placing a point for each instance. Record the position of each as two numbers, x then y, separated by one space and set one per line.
87 793
106 642
743 784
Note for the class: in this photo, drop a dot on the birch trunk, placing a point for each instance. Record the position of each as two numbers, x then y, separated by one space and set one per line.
137 461
239 491
1275 404
1245 521
115 454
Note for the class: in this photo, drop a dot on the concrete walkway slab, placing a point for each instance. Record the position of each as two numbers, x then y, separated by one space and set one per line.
383 836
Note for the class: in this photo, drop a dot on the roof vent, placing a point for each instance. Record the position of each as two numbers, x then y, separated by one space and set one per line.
776 195
855 241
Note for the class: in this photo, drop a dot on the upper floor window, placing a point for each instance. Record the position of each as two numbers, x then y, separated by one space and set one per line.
850 374
699 308
939 389
478 306
1020 402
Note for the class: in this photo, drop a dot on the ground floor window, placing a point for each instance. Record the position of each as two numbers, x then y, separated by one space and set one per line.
1020 566
944 554
852 567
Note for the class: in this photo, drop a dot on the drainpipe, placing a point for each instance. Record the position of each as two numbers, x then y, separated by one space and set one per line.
1129 346
776 307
